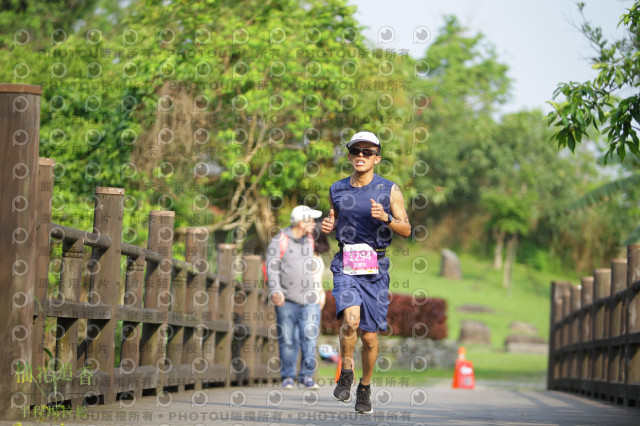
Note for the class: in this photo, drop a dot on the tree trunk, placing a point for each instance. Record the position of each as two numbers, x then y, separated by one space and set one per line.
264 221
508 262
497 253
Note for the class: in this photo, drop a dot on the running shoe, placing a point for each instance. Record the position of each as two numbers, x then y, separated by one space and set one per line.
342 392
309 383
363 399
287 383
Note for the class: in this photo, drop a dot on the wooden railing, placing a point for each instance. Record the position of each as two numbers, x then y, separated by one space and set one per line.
182 326
594 340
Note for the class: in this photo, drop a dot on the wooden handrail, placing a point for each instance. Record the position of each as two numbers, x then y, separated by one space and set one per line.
177 317
594 335
66 233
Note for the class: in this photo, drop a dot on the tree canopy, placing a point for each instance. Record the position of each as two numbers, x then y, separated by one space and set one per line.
231 113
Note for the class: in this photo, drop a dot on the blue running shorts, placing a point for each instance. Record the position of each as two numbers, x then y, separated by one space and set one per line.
370 292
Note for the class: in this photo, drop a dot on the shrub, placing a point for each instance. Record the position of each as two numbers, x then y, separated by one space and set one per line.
405 312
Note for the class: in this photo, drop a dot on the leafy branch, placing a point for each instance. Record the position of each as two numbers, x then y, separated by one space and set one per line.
602 102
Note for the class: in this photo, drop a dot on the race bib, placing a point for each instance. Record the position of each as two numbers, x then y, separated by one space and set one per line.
359 259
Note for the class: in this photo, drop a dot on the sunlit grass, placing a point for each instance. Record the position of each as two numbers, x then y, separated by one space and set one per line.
528 300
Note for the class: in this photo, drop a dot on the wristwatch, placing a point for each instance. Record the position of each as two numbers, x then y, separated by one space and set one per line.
390 218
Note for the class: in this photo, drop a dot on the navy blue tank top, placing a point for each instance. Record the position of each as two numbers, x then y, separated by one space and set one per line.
353 208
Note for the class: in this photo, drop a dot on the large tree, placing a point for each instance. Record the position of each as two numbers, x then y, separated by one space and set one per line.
283 89
466 83
244 106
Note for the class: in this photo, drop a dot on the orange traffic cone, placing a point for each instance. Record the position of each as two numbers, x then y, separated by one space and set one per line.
463 375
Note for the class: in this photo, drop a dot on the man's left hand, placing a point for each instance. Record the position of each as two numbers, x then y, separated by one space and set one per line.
377 211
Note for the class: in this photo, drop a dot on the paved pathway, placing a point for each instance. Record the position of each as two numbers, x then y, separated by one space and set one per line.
436 405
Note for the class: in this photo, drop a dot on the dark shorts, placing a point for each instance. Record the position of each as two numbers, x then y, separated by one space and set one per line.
370 292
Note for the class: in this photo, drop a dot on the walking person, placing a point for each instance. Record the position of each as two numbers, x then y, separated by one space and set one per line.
366 210
320 247
292 289
317 295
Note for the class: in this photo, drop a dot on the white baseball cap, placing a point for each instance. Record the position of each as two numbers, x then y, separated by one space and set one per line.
303 213
364 137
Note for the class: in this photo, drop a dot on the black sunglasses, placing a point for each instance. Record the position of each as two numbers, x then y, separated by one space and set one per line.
366 152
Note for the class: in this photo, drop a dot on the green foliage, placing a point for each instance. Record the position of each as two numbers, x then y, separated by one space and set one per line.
230 113
605 102
88 122
633 237
509 212
273 90
610 105
606 192
274 107
459 114
620 192
506 168
539 258
40 21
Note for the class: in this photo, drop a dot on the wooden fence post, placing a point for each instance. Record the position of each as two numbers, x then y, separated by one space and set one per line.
251 318
67 328
19 144
632 348
601 291
266 348
241 333
196 254
227 273
131 331
174 377
618 284
576 304
104 283
616 347
566 336
157 297
45 194
586 331
212 371
269 349
558 288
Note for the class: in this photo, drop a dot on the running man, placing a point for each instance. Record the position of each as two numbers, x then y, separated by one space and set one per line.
366 210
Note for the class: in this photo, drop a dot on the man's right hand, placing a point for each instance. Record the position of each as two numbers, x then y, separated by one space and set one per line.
328 223
278 298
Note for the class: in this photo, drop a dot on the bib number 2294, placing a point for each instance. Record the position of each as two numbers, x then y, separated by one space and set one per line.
359 259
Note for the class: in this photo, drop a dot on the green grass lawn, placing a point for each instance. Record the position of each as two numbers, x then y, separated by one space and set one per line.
527 301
